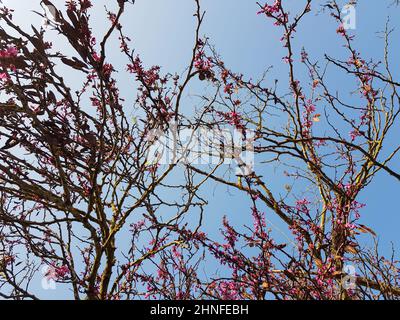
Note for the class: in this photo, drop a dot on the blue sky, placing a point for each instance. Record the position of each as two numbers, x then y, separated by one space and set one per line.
162 33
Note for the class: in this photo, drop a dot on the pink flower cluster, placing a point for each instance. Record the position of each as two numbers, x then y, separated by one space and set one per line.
230 234
4 76
57 273
301 205
269 10
9 52
228 290
85 4
341 30
308 116
259 224
234 119
354 134
201 63
108 69
275 11
148 77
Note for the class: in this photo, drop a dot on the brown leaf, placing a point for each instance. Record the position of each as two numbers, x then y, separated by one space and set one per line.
318 262
364 229
316 117
351 249
75 63
265 285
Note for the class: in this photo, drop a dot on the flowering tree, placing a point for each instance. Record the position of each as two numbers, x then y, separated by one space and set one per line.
81 194
336 161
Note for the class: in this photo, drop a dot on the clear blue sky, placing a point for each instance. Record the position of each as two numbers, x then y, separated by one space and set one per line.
162 33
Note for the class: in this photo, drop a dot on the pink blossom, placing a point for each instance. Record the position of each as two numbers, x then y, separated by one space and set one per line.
354 134
95 57
269 10
4 76
341 30
10 52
